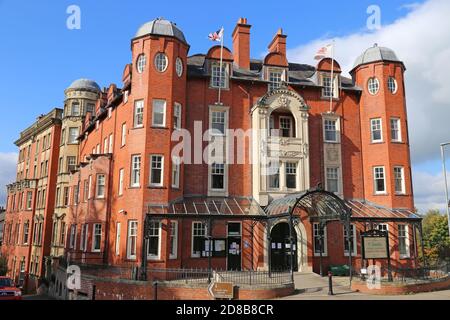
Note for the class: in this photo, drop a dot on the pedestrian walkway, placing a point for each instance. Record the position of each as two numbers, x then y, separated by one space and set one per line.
311 286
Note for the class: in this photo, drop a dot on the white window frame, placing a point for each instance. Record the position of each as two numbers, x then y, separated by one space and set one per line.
327 126
396 126
211 173
286 174
338 179
164 106
84 237
325 240
161 169
118 236
141 62
72 241
97 187
177 116
94 235
111 143
179 67
176 169
90 187
105 146
72 137
291 126
382 226
402 178
132 226
375 174
78 110
275 77
135 169
272 167
217 81
150 229
373 86
216 115
407 244
355 244
161 65
326 87
373 129
205 228
173 237
123 135
392 80
138 114
121 180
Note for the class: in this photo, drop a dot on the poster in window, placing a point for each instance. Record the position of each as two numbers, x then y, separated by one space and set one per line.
219 245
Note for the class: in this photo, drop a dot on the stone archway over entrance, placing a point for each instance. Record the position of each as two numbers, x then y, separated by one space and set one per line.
281 248
321 206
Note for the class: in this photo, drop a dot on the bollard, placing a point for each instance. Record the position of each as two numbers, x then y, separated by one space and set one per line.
330 284
155 290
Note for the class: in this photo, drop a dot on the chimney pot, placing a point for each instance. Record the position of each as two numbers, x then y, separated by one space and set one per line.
278 43
241 44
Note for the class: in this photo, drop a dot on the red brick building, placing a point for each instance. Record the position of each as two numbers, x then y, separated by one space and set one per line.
136 200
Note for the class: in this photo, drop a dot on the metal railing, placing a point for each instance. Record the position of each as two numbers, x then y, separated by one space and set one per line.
412 275
202 276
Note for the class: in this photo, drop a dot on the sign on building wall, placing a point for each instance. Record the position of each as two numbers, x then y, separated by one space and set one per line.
375 245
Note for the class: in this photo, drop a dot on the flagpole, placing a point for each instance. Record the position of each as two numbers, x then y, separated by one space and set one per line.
332 77
220 67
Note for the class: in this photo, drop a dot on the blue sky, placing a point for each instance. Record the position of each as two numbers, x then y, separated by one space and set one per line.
40 56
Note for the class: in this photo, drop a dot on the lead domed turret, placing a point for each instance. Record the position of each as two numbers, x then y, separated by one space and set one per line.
160 27
376 54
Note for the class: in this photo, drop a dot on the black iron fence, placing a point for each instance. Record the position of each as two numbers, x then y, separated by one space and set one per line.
203 277
181 276
422 273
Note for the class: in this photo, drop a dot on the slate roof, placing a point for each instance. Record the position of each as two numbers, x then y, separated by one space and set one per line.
299 74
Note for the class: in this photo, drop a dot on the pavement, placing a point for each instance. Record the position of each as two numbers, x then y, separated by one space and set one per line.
311 286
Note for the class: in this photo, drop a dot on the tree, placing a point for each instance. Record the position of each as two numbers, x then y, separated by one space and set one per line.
436 237
3 266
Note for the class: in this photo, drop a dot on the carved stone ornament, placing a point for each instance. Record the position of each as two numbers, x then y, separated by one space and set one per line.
283 101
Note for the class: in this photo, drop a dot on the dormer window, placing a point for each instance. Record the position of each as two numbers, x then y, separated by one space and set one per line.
325 82
276 77
219 79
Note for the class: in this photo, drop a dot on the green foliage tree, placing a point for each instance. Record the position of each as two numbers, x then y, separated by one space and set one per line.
436 237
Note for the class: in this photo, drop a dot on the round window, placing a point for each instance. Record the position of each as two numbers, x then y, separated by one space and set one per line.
141 62
161 62
179 67
392 85
373 86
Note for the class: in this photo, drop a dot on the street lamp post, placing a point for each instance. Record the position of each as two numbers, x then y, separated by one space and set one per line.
443 145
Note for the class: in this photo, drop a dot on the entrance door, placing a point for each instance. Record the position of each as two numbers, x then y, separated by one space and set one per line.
234 247
281 250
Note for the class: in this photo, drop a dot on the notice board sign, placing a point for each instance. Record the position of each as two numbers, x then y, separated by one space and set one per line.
375 245
221 290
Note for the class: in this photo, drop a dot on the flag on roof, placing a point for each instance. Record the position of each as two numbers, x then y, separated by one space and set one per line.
216 36
324 52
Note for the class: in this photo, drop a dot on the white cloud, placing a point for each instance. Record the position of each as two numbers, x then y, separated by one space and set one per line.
429 191
422 40
8 167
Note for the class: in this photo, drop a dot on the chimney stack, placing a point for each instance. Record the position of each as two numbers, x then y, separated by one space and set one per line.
241 44
278 43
